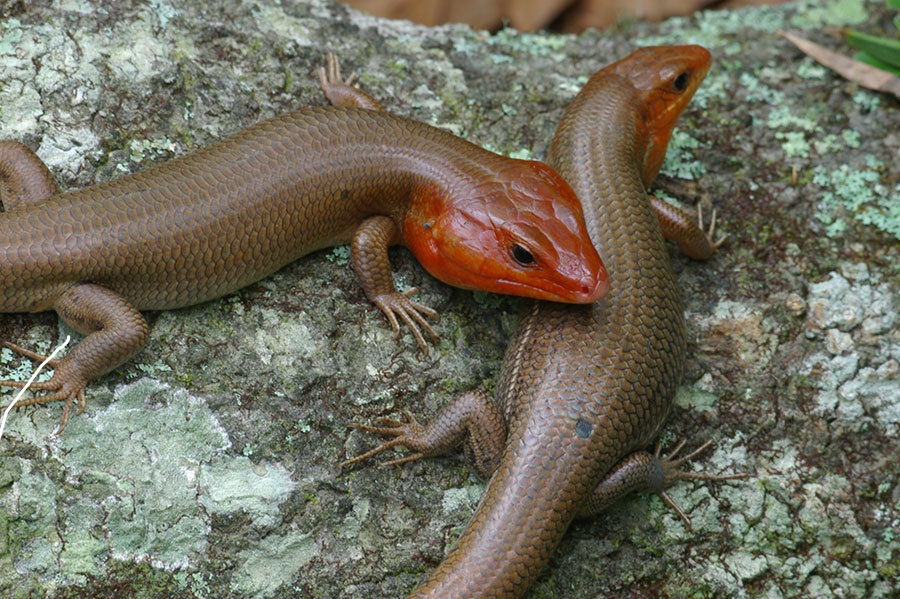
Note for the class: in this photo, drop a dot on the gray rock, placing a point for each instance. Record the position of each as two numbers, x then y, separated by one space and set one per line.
207 466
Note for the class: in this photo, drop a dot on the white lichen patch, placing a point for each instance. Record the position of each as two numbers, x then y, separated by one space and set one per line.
276 21
141 57
862 193
845 312
274 561
233 484
63 151
146 447
283 340
146 473
462 498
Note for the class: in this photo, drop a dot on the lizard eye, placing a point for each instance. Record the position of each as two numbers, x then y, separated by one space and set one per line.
522 256
681 82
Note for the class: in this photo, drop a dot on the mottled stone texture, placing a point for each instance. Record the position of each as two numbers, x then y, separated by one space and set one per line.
206 467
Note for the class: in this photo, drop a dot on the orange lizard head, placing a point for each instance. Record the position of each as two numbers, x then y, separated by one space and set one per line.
519 232
666 77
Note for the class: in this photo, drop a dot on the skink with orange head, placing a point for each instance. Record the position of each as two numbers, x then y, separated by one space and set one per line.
208 223
583 390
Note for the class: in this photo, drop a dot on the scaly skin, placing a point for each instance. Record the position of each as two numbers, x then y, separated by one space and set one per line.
583 389
209 223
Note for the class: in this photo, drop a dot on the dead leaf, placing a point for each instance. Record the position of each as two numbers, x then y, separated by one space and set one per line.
852 70
598 14
572 16
531 15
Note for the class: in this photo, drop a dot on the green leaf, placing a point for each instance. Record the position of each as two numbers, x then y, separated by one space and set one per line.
871 60
882 48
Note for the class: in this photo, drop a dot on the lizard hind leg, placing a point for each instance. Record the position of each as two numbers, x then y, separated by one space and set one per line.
471 420
645 472
671 472
405 433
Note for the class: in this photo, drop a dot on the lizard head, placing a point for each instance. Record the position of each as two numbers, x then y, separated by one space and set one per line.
519 232
665 78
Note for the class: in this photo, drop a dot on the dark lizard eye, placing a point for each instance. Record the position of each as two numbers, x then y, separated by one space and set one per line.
681 82
522 256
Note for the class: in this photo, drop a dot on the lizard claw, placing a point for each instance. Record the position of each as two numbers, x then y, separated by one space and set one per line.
339 91
404 434
36 357
329 76
412 313
671 467
59 388
710 233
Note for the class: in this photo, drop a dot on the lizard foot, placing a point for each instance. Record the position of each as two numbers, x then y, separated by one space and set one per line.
329 76
406 433
672 472
412 313
58 388
340 91
471 421
711 231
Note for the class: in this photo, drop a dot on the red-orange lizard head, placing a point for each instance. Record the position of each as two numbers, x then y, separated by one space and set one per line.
520 232
666 77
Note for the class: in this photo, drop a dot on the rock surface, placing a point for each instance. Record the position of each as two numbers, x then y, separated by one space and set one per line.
207 466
